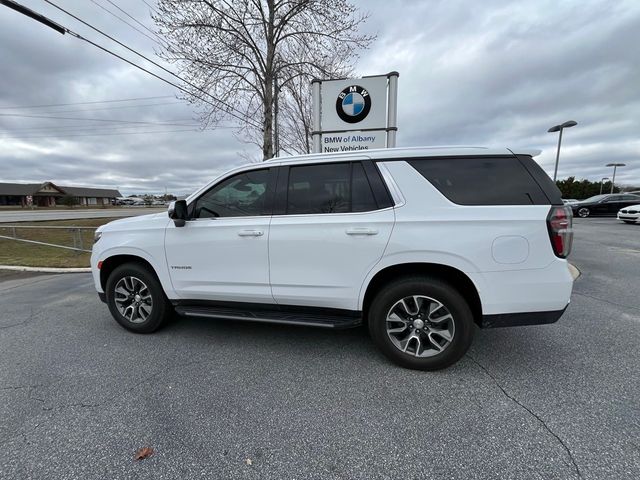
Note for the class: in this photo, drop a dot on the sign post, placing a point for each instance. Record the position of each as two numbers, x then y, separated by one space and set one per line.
355 114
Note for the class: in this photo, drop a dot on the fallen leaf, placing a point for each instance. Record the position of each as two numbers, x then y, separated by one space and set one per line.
248 461
144 452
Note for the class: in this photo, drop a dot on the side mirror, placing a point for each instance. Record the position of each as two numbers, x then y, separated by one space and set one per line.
178 212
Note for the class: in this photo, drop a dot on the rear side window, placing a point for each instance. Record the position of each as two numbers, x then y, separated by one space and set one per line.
361 195
482 180
329 188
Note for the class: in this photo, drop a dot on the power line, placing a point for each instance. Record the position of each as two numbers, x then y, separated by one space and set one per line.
97 119
69 128
85 103
99 134
109 133
149 5
135 20
241 115
124 21
80 37
82 110
73 128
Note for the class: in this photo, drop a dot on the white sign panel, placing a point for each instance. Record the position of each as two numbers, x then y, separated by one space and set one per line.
352 141
355 114
353 104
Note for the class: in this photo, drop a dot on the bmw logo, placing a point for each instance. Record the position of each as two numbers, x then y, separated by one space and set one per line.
353 104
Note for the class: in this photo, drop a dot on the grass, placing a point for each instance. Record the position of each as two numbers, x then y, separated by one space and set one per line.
31 255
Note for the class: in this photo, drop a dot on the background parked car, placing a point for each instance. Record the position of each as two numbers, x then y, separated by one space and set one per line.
568 201
630 214
604 205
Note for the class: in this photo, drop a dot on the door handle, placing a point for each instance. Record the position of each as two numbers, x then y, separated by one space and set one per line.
362 231
250 233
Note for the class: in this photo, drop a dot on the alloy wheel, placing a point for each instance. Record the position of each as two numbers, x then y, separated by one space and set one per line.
133 299
420 326
583 212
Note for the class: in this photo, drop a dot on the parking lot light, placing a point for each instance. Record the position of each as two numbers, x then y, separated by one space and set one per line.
615 166
602 183
560 128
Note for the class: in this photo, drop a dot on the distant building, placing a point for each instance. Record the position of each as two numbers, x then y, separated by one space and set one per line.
49 195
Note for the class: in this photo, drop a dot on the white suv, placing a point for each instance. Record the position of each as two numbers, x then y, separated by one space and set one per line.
419 244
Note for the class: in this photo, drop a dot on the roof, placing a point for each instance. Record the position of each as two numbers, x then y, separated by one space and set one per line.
92 192
380 153
19 189
384 153
24 189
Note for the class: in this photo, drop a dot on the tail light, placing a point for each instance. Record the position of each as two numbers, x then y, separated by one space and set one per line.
560 223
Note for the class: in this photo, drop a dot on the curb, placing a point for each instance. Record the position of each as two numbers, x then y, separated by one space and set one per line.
575 273
44 269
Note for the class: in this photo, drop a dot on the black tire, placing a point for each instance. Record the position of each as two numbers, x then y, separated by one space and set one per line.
438 290
160 307
584 212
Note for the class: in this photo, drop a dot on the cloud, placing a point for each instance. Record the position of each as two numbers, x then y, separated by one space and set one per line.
472 73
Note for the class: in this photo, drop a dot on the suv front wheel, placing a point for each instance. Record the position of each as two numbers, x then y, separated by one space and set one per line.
421 323
136 299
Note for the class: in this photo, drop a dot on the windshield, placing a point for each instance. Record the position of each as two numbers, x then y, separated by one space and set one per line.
596 198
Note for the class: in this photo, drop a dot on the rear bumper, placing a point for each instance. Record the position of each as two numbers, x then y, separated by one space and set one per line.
537 290
521 319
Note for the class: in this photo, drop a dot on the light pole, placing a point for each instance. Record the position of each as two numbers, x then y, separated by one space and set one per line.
559 128
602 183
615 167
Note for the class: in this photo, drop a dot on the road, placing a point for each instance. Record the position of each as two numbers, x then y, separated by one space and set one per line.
218 399
10 216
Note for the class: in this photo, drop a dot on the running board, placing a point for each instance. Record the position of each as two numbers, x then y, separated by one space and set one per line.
311 319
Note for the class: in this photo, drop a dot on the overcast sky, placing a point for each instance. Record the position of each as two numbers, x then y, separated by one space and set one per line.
471 73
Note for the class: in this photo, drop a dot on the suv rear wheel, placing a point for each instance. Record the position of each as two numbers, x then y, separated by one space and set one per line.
136 299
421 323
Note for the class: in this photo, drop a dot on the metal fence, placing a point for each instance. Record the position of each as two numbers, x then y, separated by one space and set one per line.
76 234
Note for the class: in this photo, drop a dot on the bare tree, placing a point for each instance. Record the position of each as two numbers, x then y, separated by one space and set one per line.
244 57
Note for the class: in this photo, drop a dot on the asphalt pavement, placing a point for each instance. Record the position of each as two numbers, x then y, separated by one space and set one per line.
222 400
25 215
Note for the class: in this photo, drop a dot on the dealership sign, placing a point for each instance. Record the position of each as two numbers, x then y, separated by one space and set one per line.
355 114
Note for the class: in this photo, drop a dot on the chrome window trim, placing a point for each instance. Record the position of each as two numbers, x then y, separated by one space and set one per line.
368 212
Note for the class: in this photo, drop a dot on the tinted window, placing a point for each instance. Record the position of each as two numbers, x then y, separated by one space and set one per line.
596 198
548 186
361 195
243 194
482 181
329 188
